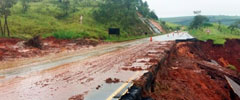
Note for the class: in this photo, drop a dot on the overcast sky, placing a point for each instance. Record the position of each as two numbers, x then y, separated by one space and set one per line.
174 8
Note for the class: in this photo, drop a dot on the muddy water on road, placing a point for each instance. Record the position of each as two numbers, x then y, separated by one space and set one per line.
81 76
28 69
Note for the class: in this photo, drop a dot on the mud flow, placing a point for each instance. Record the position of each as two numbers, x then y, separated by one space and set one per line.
17 48
194 71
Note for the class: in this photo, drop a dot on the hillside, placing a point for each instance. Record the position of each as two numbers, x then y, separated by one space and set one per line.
61 18
226 20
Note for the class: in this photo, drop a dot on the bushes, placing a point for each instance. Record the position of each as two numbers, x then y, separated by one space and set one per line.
70 35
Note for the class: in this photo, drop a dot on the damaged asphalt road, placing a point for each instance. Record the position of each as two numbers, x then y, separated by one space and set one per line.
80 77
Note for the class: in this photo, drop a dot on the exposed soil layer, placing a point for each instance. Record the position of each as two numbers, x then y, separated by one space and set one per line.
16 48
225 55
188 75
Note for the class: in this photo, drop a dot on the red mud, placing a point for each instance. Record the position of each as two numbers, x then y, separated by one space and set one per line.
181 77
77 97
225 55
110 80
11 48
133 69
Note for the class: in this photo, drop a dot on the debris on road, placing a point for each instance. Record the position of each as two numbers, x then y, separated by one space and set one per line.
110 80
35 42
77 97
133 69
98 87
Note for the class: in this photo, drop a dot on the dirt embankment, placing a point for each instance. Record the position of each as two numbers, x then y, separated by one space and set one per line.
16 48
157 25
225 55
188 74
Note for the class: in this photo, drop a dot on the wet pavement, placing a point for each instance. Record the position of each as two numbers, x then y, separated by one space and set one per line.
173 36
84 73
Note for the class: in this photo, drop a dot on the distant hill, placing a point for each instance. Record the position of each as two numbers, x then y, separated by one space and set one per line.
227 20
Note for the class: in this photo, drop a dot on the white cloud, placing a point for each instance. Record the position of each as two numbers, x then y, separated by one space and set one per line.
172 8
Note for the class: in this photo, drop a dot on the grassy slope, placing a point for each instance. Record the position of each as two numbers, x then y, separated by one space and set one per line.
226 20
219 37
40 19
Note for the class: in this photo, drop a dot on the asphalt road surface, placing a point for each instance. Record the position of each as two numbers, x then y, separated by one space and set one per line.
84 74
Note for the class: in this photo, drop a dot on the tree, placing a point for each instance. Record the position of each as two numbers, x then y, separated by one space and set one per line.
143 8
198 22
5 6
64 5
1 14
122 12
219 25
75 4
25 5
153 15
234 26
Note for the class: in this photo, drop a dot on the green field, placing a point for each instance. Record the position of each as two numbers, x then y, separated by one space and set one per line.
226 20
219 37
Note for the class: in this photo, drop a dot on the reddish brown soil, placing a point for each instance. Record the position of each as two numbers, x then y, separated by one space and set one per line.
133 69
182 78
157 25
226 54
77 97
16 48
110 80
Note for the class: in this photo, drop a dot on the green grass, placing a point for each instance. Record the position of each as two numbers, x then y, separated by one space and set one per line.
41 19
226 20
172 25
232 67
219 37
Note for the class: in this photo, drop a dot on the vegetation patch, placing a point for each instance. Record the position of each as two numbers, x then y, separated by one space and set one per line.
232 67
203 30
72 19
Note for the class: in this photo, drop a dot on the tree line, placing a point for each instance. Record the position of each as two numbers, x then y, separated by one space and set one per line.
122 13
233 27
200 21
5 6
